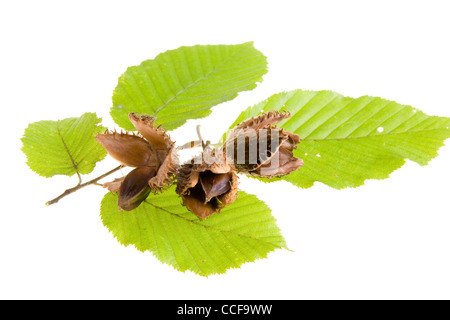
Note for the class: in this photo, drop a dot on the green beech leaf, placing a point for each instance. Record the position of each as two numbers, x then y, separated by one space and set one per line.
63 147
242 232
186 82
346 140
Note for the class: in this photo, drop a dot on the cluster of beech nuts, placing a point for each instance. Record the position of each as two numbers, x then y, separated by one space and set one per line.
208 182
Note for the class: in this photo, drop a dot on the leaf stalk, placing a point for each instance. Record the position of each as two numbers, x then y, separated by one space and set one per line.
82 185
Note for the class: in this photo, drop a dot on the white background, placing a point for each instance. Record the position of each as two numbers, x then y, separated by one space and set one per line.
386 240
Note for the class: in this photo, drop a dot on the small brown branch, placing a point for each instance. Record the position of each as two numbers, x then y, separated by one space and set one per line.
82 185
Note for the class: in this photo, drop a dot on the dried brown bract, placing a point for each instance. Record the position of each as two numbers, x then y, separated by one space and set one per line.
152 154
206 188
257 147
